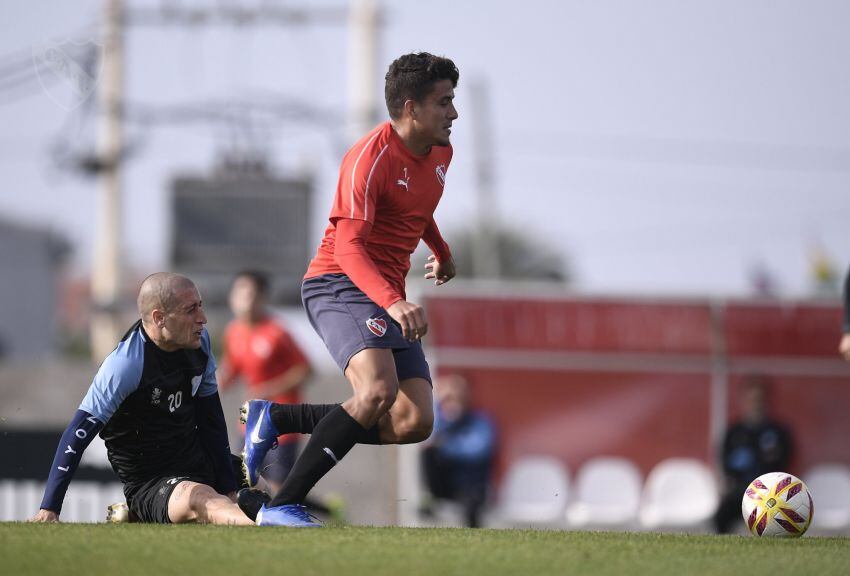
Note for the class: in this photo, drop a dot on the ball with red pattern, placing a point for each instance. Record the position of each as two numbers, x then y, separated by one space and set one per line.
777 504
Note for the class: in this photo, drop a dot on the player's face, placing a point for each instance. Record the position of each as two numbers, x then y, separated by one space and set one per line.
435 114
184 324
245 300
755 403
453 397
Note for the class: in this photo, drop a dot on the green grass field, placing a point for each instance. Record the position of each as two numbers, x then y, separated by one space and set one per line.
160 550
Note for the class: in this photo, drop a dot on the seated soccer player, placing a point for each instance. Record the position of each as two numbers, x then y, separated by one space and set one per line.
458 458
754 445
155 403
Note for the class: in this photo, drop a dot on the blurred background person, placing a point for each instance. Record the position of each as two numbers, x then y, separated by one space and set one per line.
844 345
457 460
752 446
260 352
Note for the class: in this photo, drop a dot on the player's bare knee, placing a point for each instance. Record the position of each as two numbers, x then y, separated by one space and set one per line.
378 399
416 427
200 496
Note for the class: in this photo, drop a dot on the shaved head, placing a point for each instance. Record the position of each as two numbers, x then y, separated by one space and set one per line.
159 291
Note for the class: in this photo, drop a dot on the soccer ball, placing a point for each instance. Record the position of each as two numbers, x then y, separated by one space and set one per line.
777 504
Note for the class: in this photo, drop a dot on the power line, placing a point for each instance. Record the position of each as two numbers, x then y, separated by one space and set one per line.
223 14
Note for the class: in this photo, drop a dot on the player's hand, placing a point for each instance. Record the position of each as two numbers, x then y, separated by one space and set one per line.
844 346
45 516
441 272
411 318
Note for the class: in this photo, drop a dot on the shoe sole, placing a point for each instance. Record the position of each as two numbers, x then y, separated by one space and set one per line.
117 513
243 418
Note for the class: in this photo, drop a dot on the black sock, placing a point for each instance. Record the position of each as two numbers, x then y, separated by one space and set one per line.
300 418
370 436
303 418
332 438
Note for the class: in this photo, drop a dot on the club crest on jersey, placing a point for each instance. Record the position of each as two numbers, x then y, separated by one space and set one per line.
441 174
377 326
155 396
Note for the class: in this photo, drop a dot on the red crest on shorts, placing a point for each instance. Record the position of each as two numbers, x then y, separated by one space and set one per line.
378 326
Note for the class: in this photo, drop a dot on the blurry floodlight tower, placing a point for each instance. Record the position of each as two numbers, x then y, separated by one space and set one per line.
364 22
486 259
106 272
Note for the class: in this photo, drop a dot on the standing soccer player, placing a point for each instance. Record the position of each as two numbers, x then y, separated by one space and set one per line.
354 293
259 350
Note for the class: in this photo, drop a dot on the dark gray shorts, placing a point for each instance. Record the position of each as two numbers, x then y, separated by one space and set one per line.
149 500
348 322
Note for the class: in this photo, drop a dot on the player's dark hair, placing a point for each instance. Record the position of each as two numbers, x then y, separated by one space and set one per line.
412 77
260 279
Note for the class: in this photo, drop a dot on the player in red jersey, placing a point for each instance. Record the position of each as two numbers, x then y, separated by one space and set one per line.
390 183
260 351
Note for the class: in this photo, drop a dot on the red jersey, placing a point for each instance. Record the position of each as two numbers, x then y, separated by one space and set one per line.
383 183
261 352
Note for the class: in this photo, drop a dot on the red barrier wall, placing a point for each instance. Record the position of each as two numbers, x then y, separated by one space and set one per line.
583 377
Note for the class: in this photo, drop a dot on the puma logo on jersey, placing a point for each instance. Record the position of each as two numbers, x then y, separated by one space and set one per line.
403 181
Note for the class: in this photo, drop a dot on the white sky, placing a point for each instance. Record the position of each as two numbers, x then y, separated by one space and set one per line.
663 146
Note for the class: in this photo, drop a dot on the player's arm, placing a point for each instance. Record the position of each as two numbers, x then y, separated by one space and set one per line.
117 378
844 345
475 444
440 265
289 380
76 438
225 373
364 178
299 369
228 369
726 450
212 427
352 257
212 430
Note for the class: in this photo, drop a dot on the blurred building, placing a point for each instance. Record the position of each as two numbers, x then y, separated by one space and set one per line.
30 265
241 218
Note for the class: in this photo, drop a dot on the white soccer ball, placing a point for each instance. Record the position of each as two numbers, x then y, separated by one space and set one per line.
777 504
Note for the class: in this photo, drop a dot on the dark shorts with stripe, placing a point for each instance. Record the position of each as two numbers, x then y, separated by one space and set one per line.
348 322
149 500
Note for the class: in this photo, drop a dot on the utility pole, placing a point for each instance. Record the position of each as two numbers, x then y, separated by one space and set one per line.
486 261
363 28
106 273
364 23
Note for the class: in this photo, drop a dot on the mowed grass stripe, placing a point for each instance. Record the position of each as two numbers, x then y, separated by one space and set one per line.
160 550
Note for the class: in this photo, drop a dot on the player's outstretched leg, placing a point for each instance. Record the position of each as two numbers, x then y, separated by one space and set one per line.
372 373
194 502
260 437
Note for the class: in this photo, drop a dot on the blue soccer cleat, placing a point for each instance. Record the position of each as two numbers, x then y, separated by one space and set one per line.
260 437
293 515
